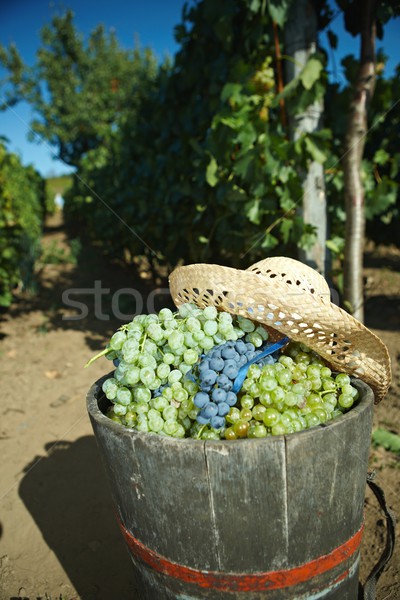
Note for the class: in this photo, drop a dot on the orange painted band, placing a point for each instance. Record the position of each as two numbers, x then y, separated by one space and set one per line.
242 582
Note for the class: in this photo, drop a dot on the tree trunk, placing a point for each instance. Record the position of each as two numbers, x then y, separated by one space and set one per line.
354 149
300 43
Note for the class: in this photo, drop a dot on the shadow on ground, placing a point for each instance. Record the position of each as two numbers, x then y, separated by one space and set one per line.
383 312
66 493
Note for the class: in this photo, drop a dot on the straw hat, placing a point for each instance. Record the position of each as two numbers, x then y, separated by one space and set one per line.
290 299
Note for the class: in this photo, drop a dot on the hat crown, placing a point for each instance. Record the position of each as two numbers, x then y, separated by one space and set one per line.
293 272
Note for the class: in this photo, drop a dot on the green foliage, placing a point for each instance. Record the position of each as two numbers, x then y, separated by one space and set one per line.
21 212
387 439
207 172
191 161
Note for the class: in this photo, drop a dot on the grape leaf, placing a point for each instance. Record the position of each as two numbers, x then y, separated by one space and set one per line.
315 150
211 172
311 72
278 10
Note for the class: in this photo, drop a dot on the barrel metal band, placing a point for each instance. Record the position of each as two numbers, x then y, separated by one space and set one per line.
251 582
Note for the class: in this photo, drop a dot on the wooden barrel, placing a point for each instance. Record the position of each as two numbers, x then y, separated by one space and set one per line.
272 519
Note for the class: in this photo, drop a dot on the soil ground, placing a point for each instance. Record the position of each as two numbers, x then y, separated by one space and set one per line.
59 539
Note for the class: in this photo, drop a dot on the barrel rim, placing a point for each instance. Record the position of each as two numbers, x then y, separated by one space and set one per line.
95 395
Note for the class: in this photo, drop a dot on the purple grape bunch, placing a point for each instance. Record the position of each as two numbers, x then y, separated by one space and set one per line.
216 375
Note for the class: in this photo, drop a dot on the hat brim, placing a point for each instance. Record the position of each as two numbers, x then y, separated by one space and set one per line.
283 306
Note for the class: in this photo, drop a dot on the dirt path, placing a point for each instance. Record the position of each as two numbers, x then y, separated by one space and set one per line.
58 535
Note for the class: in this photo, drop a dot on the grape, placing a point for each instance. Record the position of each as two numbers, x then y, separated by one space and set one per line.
233 415
184 368
190 357
210 410
110 388
206 343
202 419
201 399
217 422
147 360
163 370
246 325
142 407
280 429
342 379
246 414
199 335
171 427
155 332
132 375
216 364
258 412
247 402
193 324
190 342
175 376
224 382
117 340
159 403
168 358
218 395
268 384
228 352
170 413
124 396
176 340
142 425
149 319
120 409
223 409
257 430
344 400
141 394
231 398
230 434
208 377
147 376
230 370
241 428
180 395
165 314
130 418
256 339
210 328
271 417
156 424
210 313
312 420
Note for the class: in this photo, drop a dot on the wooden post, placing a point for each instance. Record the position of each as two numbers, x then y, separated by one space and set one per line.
300 43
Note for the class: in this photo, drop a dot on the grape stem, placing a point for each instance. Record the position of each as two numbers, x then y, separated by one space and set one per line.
102 353
202 428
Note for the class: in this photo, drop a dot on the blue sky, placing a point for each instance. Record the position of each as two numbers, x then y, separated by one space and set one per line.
152 20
